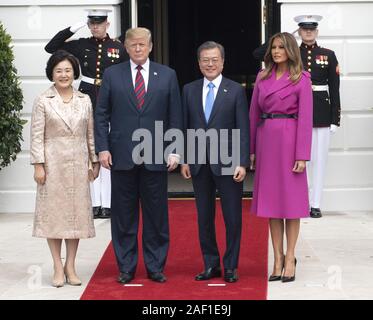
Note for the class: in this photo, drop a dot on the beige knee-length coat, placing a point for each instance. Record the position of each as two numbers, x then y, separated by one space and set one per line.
62 139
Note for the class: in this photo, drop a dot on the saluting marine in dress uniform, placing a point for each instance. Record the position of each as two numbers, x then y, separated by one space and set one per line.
95 54
323 66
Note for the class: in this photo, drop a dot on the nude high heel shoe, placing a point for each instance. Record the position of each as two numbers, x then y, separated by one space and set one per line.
72 281
57 283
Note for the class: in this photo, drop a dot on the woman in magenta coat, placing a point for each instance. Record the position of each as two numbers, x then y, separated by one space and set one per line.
281 131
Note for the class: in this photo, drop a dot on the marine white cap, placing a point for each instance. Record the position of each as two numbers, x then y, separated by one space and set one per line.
308 21
98 15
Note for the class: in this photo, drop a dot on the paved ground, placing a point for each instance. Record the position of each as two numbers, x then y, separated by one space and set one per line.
335 260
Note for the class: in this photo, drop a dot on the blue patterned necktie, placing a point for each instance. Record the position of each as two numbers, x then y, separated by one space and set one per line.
209 101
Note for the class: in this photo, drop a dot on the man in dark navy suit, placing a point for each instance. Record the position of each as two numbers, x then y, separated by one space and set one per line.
216 104
135 95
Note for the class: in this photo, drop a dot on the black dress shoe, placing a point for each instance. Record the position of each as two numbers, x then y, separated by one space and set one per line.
105 213
96 212
157 277
230 275
126 277
315 213
290 279
208 274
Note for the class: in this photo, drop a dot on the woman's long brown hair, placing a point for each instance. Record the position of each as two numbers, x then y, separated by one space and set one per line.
295 64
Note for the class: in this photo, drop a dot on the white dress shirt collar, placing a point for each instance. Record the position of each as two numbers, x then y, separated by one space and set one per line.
217 81
145 66
144 72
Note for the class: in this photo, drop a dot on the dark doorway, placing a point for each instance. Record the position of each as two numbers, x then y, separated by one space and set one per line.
272 18
180 26
235 24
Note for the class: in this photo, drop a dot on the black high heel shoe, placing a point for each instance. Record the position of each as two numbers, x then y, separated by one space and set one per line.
274 278
290 279
277 278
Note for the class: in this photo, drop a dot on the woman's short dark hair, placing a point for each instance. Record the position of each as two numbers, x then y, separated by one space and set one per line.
56 58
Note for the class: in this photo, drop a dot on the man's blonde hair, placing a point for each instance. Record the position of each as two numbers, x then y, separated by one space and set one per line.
138 33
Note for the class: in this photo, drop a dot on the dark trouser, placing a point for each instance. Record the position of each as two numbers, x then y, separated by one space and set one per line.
205 184
129 187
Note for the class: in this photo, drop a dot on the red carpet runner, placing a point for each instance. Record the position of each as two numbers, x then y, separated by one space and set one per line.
184 262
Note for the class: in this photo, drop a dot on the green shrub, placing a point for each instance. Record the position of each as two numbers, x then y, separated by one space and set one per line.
11 99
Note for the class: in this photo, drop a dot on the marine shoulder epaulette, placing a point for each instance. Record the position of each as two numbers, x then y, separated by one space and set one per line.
326 49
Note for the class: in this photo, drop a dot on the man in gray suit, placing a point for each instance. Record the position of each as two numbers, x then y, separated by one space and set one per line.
218 104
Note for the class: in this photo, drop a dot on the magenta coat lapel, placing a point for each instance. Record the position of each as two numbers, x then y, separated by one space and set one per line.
272 85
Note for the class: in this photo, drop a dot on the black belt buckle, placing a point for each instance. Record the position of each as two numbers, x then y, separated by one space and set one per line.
267 116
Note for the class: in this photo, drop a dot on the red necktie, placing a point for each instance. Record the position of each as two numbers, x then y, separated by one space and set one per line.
140 88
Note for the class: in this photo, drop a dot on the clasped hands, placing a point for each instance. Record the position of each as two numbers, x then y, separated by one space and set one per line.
106 160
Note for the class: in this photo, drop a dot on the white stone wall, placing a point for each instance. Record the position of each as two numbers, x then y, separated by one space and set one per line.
347 28
31 25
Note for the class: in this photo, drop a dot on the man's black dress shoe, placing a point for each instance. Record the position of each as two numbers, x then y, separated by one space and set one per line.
157 277
96 212
315 213
125 277
230 275
209 274
105 213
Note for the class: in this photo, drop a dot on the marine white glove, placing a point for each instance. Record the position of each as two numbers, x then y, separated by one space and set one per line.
333 128
77 26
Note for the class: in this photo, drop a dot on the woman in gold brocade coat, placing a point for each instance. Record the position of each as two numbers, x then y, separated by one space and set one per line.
62 146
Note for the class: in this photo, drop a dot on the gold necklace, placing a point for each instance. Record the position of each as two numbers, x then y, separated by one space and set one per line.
67 100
